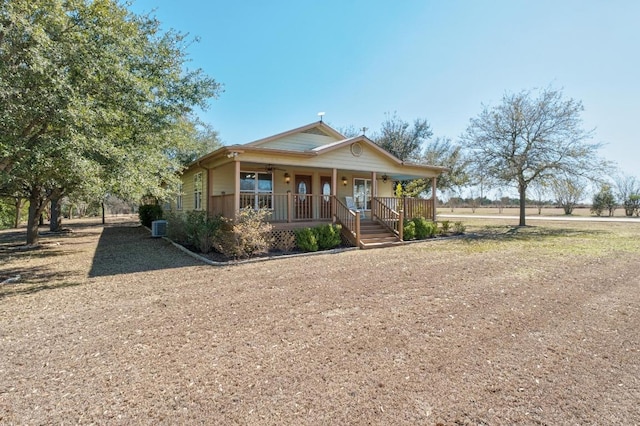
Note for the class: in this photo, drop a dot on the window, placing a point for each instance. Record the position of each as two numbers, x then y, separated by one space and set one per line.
362 193
179 198
256 190
197 191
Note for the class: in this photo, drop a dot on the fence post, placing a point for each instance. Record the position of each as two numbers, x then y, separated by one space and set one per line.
401 225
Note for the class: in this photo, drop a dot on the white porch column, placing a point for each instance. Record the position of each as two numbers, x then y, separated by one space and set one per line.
374 185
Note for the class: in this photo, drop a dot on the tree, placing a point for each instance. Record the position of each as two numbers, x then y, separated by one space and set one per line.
526 139
603 201
401 139
90 94
568 192
441 152
628 188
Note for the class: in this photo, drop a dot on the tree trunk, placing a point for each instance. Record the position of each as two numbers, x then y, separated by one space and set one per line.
102 203
522 190
55 223
18 205
36 204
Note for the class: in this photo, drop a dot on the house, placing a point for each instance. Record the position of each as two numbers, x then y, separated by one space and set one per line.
310 174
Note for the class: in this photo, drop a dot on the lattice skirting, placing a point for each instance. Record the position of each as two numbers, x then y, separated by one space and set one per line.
283 239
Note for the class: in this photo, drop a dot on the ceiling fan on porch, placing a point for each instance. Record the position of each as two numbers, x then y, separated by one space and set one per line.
270 168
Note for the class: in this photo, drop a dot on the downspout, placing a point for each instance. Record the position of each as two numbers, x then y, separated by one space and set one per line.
208 192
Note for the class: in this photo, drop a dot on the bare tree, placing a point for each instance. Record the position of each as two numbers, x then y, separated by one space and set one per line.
628 190
526 139
568 192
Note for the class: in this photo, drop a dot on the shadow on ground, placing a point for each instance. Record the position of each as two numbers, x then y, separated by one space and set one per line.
126 249
527 233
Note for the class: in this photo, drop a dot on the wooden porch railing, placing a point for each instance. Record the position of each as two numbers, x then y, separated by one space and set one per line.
393 220
287 207
412 207
350 221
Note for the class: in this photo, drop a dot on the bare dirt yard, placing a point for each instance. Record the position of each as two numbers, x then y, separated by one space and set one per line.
536 325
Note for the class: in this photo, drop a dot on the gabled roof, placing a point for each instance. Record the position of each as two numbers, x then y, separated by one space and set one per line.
363 139
318 125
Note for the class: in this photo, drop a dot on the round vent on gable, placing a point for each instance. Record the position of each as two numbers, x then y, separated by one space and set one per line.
356 149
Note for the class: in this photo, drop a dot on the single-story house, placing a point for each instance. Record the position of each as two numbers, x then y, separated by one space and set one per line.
310 174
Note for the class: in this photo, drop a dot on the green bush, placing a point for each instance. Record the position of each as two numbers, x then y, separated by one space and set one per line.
248 235
176 227
424 228
408 230
200 230
306 239
148 213
327 236
458 228
445 225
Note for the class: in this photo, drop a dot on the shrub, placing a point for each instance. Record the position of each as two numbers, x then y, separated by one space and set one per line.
424 228
200 230
246 236
176 227
445 225
408 230
327 236
306 239
148 213
604 201
458 228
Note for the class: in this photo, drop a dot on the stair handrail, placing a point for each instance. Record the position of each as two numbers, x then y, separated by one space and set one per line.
349 220
388 217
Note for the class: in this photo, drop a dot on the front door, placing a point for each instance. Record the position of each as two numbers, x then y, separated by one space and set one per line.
325 200
303 199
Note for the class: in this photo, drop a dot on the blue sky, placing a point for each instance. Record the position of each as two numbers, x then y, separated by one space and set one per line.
282 62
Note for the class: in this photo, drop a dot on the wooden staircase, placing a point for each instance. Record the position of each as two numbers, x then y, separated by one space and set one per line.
374 235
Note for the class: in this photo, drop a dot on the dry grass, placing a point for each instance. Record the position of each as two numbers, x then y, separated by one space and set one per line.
533 325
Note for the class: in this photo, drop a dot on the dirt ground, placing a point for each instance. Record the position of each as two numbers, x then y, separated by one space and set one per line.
536 325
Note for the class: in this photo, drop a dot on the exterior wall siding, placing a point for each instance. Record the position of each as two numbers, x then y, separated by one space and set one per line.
299 142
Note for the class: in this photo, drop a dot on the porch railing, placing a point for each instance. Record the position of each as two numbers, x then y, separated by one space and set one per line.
392 219
287 207
350 221
412 207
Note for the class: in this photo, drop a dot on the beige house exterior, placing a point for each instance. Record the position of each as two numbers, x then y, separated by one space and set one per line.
308 174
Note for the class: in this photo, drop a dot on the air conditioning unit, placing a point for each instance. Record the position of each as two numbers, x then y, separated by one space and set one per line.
158 228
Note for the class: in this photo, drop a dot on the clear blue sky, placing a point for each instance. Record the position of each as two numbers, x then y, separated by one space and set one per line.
282 62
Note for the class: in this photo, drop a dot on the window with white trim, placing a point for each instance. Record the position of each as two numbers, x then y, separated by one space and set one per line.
197 191
256 190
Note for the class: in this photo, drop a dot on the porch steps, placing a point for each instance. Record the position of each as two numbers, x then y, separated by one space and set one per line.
374 235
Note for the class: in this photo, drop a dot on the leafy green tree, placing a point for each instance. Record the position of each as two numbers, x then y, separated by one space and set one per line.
402 139
604 201
441 152
529 138
90 94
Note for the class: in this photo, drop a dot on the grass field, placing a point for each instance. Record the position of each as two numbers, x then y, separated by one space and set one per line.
506 325
530 211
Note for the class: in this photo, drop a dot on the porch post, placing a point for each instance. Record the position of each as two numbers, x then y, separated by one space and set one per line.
374 184
289 206
433 197
236 195
334 192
